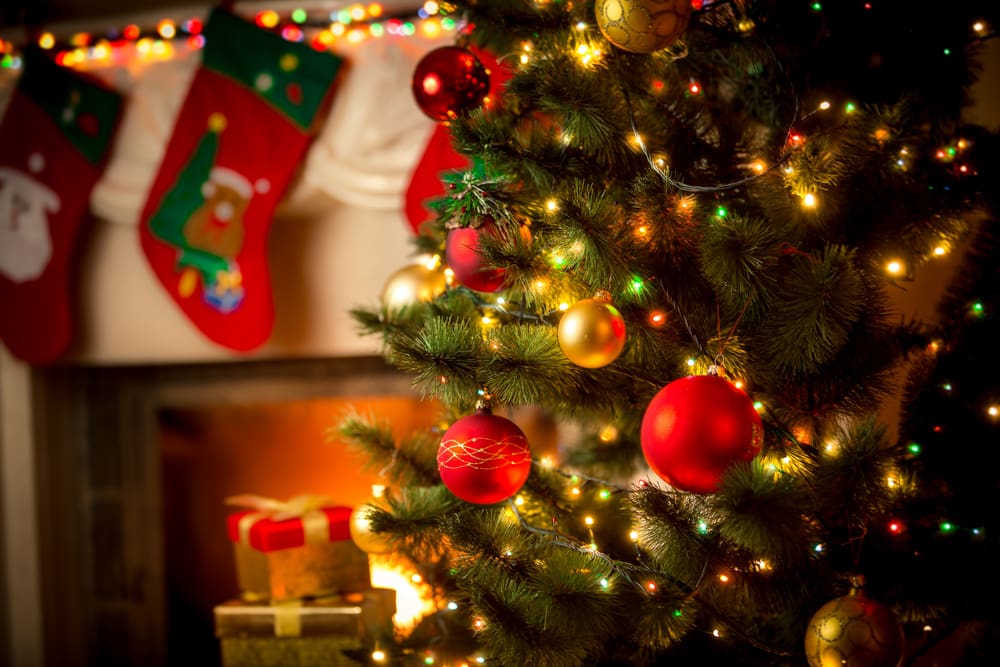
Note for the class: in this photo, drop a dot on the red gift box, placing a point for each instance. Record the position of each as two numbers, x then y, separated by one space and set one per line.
295 549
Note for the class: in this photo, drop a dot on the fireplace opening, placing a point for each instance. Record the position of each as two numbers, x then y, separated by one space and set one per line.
136 464
277 450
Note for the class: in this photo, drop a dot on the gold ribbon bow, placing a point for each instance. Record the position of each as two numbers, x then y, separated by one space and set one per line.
305 507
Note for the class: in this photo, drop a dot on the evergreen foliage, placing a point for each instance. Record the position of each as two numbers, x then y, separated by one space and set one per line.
738 222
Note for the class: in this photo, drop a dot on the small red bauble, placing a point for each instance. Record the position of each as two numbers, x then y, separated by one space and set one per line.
484 458
695 428
448 82
461 253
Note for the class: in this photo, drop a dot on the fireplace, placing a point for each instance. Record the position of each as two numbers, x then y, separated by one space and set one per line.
133 466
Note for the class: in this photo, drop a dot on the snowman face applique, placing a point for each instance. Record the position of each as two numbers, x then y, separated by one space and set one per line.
25 238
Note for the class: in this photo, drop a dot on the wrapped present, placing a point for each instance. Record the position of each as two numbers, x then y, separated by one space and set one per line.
295 549
303 633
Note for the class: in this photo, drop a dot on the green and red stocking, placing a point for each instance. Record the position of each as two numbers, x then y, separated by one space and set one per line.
243 129
54 139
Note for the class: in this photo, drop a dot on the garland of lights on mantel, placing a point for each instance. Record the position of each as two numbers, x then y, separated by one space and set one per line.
323 30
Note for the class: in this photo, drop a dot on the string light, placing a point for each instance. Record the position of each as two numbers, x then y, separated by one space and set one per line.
378 655
320 38
894 267
809 200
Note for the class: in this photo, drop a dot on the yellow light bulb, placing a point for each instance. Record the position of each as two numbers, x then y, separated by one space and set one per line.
894 267
809 200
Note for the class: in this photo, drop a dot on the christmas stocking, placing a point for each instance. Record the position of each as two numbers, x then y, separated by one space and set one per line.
243 129
53 142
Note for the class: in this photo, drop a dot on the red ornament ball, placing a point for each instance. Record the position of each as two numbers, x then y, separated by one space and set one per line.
484 458
461 253
449 81
695 428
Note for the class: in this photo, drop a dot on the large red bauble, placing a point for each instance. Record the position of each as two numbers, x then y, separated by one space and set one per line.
695 428
448 82
461 253
484 458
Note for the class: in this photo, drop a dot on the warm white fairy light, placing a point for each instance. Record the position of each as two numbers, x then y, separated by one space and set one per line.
633 535
824 105
809 200
716 633
993 411
551 205
609 433
589 520
166 29
724 578
894 267
979 27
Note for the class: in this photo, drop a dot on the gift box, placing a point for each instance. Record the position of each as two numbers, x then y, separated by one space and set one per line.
303 633
295 550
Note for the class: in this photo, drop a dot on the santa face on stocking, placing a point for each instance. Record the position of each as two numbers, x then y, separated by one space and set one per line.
25 241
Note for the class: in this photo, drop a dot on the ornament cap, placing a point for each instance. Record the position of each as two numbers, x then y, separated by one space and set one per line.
484 403
602 295
857 584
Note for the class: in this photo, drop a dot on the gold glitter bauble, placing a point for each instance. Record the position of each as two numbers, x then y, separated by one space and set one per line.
362 534
412 284
642 26
592 332
856 631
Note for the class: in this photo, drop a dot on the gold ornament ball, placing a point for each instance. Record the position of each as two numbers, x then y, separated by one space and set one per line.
854 630
412 284
362 534
592 332
642 26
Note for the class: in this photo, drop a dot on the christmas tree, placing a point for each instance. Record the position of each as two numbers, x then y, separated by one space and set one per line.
678 236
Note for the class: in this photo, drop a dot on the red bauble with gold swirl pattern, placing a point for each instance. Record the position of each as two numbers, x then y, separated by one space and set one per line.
484 458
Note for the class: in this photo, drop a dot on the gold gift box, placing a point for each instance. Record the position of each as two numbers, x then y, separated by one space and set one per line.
307 571
302 634
307 555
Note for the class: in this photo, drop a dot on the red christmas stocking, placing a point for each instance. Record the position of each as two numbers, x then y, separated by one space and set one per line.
53 143
242 131
440 157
